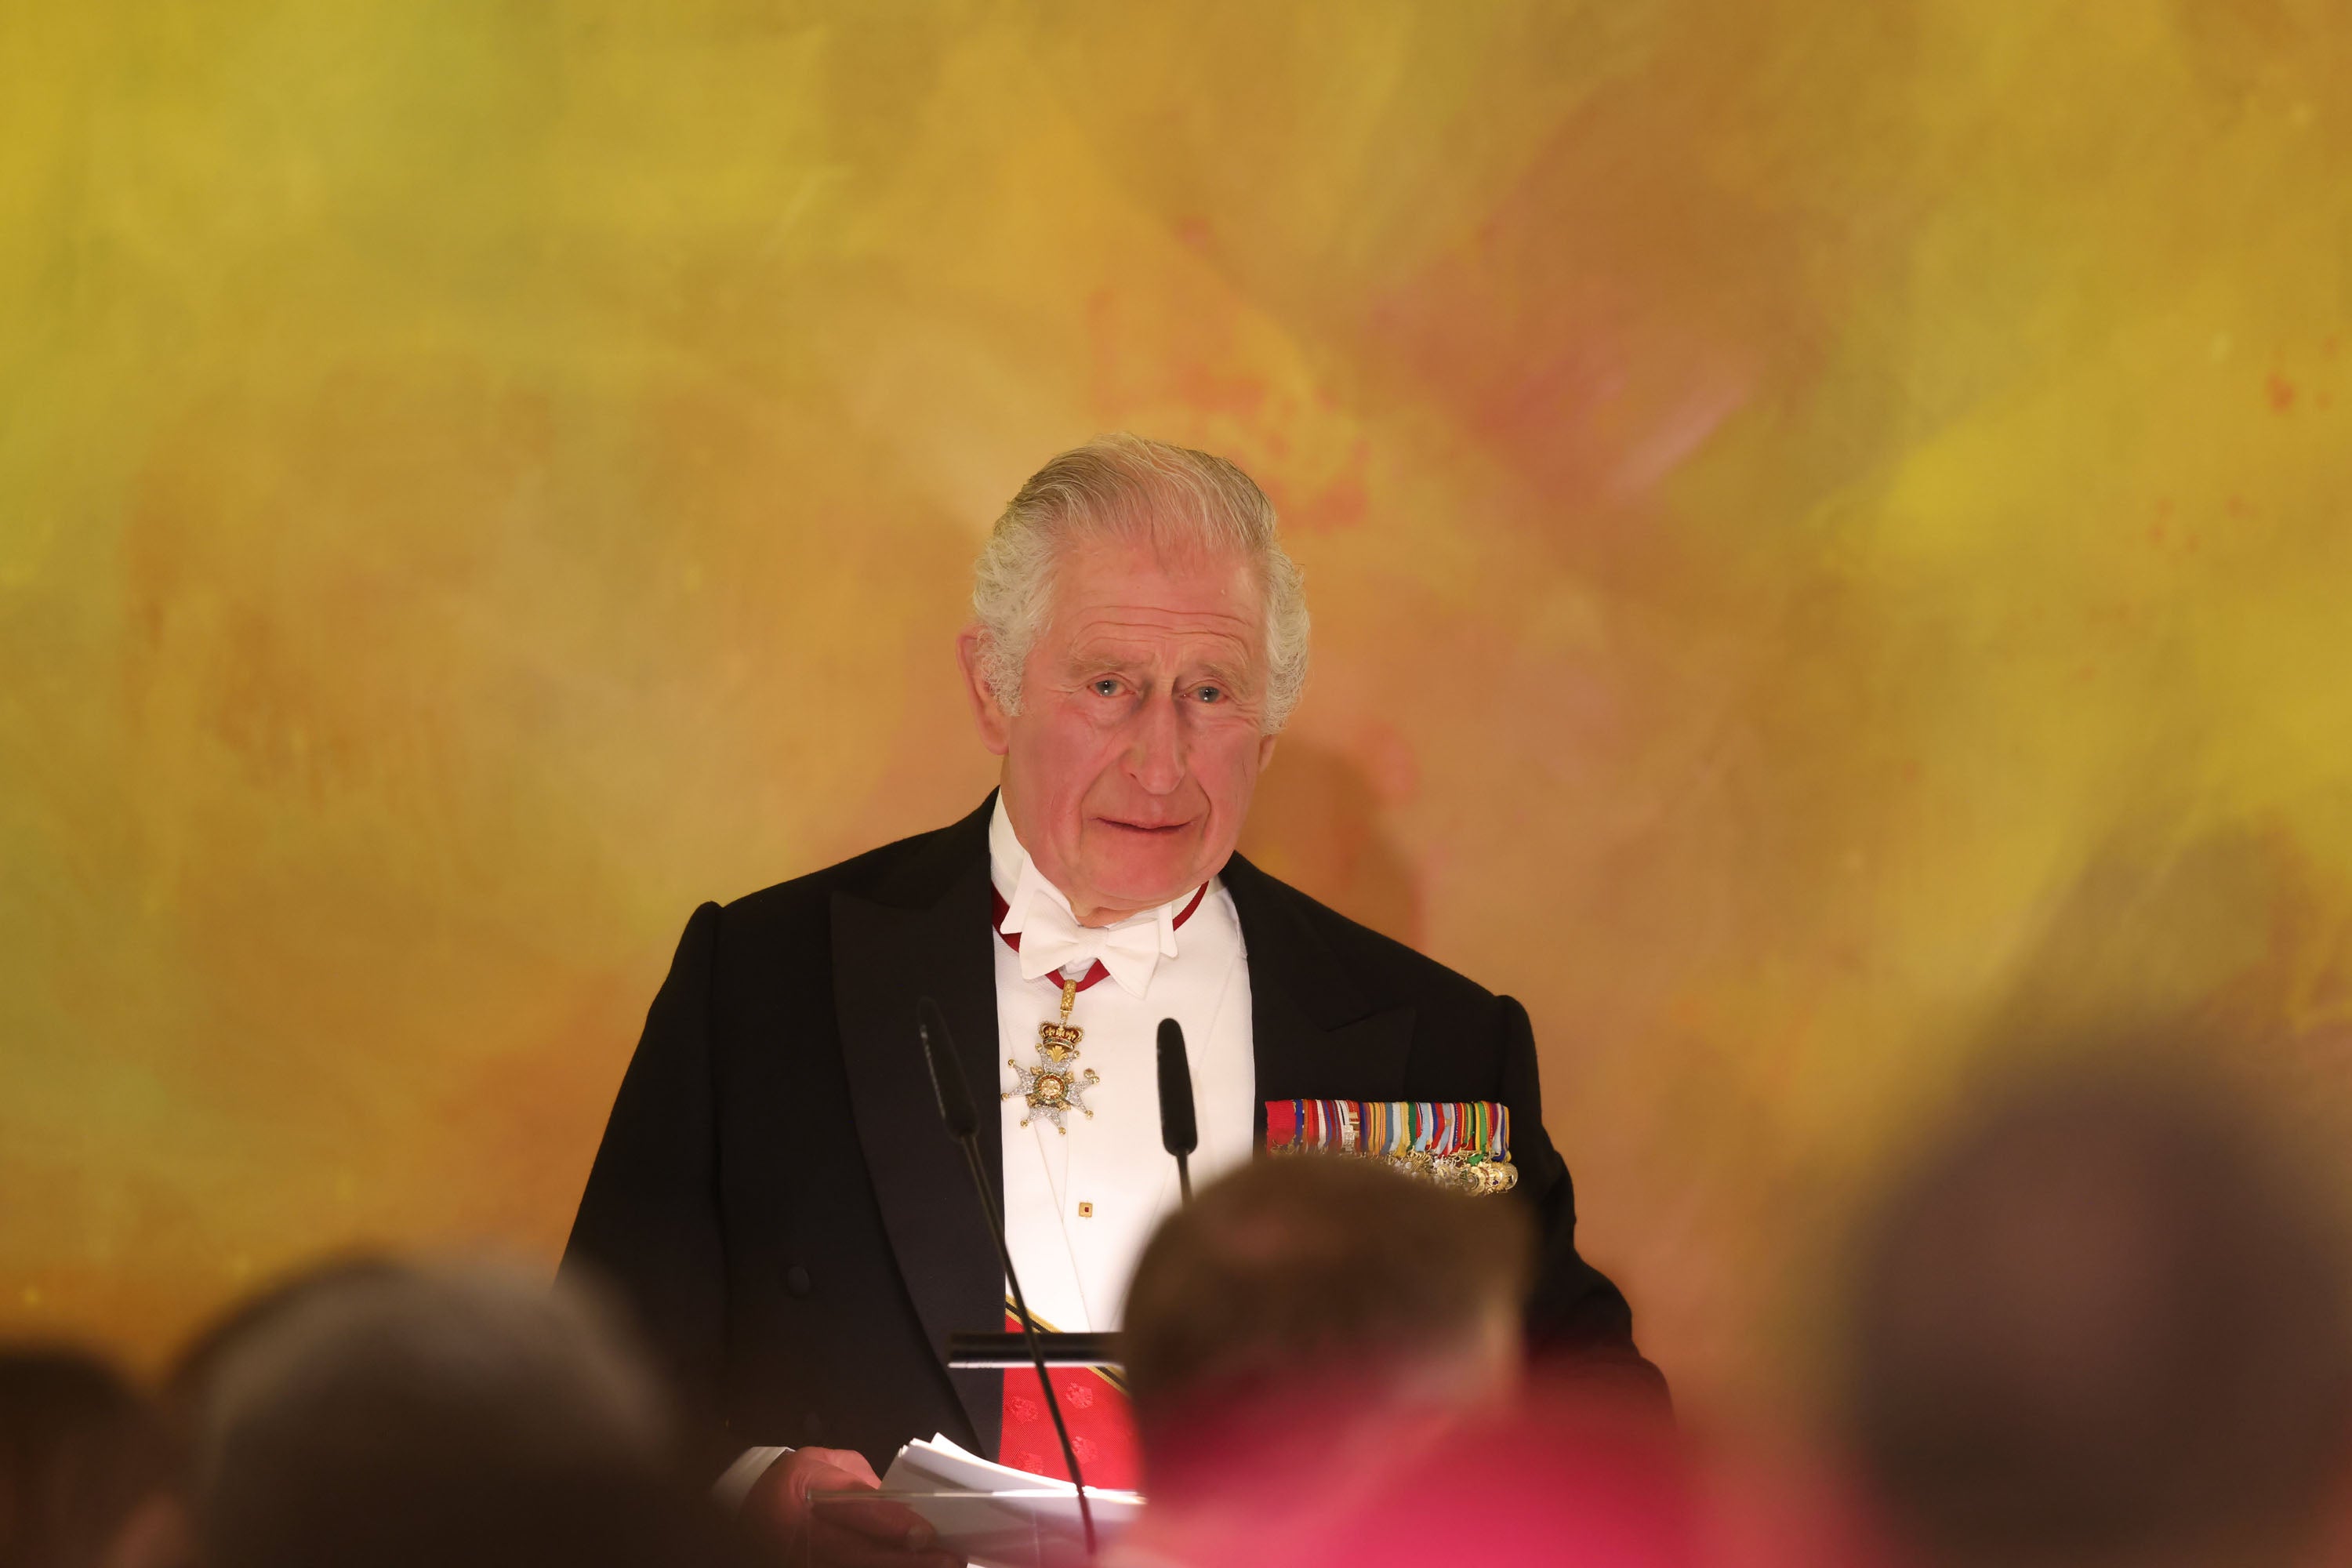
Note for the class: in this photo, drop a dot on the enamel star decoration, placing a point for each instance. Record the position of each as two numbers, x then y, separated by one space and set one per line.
1053 1087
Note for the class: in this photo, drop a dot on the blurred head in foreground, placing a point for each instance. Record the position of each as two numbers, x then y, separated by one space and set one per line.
394 1415
82 1457
2105 1325
1322 1294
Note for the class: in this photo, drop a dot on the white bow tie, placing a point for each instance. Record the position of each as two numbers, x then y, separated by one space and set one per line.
1052 938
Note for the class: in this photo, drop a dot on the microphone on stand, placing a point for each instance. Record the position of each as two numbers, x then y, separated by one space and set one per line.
954 1093
1180 1133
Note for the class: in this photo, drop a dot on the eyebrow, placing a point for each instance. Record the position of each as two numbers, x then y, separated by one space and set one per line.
1103 659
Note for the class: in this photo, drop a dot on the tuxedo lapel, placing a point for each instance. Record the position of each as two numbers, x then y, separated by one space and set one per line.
925 932
1318 1033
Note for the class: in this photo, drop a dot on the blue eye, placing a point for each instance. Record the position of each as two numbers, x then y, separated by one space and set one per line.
1107 686
1211 694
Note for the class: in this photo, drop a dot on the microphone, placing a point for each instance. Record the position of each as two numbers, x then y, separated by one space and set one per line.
954 1093
948 1082
1180 1132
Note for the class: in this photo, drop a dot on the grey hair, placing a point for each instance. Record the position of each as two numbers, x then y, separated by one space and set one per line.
1127 486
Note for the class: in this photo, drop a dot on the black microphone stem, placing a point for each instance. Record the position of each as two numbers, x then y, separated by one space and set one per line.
971 1145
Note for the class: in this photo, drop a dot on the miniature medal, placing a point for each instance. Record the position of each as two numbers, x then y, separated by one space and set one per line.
1052 1089
1466 1145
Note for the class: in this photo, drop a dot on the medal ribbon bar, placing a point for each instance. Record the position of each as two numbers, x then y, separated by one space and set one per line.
1459 1144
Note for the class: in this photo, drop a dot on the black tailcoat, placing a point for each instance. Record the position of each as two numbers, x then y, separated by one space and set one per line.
776 1200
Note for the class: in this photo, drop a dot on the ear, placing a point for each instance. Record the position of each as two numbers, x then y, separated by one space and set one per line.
1265 751
995 724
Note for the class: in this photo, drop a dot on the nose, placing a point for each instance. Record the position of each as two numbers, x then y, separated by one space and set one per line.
1155 754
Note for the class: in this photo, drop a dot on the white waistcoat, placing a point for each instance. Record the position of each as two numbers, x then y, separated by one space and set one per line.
1080 1203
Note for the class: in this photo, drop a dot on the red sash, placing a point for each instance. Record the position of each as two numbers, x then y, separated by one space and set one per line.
1101 1422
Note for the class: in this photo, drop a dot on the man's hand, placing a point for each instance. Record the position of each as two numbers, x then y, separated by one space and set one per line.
839 1536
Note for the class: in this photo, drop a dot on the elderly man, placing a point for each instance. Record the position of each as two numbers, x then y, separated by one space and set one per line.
775 1192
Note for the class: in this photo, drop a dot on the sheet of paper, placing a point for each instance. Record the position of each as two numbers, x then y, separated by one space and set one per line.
997 1516
944 1461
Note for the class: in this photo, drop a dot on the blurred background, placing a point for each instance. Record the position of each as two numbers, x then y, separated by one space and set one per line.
1830 531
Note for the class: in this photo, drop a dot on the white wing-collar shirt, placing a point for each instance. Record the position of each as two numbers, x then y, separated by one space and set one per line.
1080 1203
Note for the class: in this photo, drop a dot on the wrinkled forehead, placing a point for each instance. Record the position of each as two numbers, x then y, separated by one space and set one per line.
1107 582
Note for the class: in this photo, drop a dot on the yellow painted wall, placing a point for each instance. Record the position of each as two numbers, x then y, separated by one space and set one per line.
1830 528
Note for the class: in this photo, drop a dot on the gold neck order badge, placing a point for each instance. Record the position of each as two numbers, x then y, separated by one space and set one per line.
1052 1089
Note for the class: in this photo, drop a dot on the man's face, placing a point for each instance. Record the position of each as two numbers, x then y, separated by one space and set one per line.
1130 766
